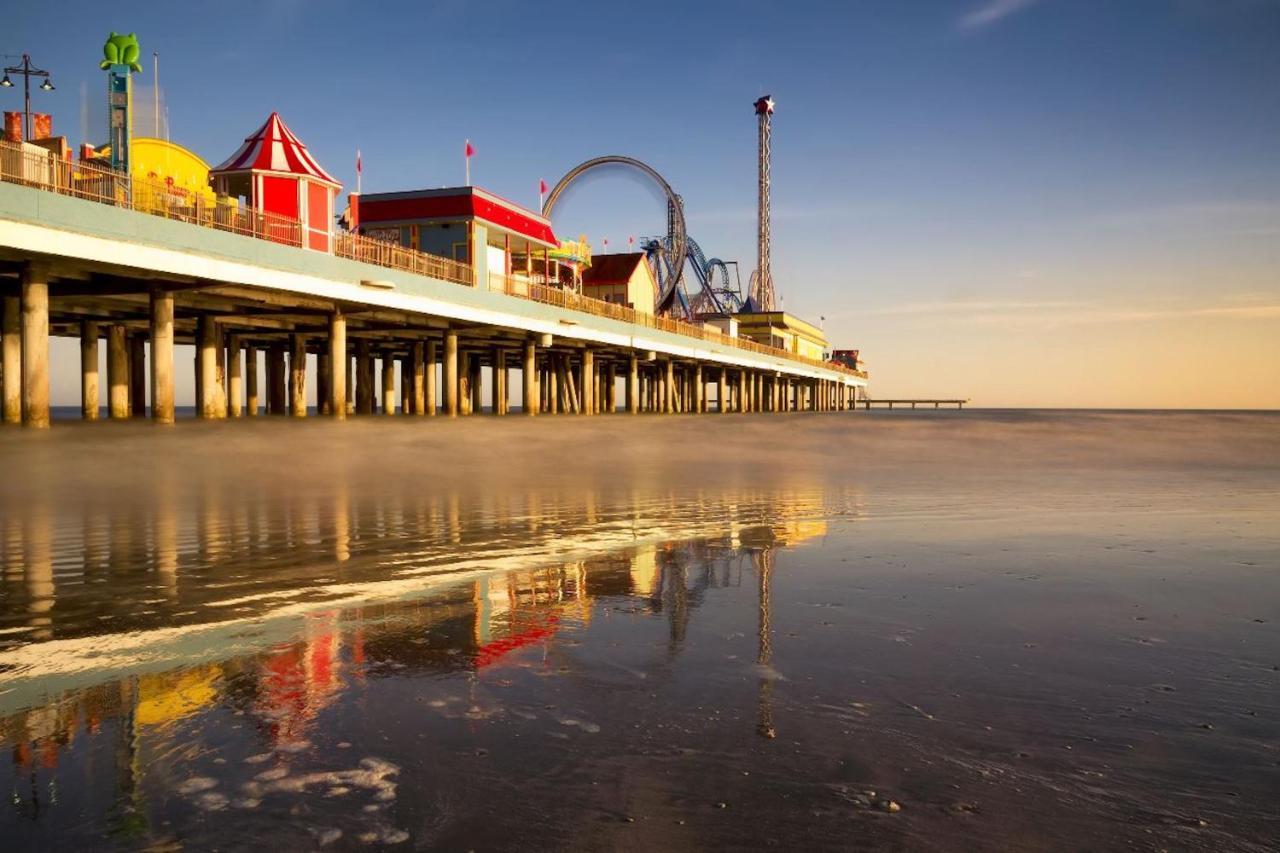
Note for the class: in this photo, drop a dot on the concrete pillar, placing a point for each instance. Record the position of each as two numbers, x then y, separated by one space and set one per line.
722 392
699 390
419 383
669 388
162 402
349 377
406 363
276 380
11 342
324 373
431 392
206 367
388 385
611 388
337 366
500 396
744 395
298 376
35 346
476 387
364 379
451 373
530 378
137 376
588 384
464 383
251 401
118 372
633 385
235 377
89 370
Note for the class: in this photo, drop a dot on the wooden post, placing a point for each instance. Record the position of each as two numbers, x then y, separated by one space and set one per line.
337 365
699 390
451 373
530 378
11 330
500 396
431 394
419 378
464 383
324 374
611 388
89 370
235 377
722 391
251 401
364 379
162 397
388 384
588 382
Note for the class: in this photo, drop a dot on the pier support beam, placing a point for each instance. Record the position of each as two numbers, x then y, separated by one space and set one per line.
451 373
162 402
500 397
118 372
298 377
419 369
338 362
432 391
251 400
611 388
388 384
235 377
89 370
137 376
11 348
476 387
324 373
364 379
588 384
275 380
206 368
633 385
530 378
35 346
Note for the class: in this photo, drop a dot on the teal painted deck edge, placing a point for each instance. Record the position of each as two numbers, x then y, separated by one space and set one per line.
67 213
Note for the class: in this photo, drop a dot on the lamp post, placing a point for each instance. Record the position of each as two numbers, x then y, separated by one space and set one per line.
27 70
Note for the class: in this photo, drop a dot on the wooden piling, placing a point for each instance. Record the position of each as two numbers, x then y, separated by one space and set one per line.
364 378
276 380
501 399
388 384
431 392
588 382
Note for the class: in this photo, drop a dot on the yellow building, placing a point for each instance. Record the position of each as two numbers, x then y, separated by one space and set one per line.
623 279
165 174
784 331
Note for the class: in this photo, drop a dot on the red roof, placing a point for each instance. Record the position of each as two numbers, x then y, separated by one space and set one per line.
612 269
456 203
274 148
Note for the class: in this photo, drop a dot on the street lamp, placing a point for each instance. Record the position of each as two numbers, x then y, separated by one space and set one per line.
27 70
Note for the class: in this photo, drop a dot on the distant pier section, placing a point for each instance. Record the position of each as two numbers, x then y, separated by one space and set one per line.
868 403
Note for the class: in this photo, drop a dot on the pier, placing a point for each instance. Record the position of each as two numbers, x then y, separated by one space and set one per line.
98 256
868 403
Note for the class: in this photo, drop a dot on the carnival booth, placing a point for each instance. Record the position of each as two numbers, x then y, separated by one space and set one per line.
277 176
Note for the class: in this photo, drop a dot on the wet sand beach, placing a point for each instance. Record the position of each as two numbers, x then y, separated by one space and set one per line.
978 630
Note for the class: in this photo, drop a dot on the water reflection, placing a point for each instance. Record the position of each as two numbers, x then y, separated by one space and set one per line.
128 624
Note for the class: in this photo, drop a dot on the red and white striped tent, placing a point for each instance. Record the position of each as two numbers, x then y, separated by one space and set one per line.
276 174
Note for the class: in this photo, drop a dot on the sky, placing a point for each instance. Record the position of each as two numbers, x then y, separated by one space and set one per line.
1021 202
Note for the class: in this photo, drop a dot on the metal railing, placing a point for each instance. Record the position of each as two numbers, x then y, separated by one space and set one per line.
42 170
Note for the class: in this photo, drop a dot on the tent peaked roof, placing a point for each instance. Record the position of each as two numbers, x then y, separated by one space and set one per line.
274 148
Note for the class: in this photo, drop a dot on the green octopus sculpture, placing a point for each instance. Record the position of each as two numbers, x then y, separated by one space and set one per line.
121 50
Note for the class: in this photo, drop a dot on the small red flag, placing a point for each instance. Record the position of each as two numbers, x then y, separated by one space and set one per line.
358 169
470 150
542 186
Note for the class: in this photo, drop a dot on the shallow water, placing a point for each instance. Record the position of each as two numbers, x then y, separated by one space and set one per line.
944 631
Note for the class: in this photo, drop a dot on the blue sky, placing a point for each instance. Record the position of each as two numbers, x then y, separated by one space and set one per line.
1059 196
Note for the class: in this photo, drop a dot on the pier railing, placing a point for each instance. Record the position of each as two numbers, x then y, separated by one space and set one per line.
35 167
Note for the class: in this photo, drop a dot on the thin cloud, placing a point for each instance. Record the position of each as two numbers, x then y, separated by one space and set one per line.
1017 314
991 12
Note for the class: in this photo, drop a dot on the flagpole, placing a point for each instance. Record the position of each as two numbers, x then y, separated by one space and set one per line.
359 171
155 87
466 156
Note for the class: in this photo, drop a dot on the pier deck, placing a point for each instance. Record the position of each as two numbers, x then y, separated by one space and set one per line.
868 403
